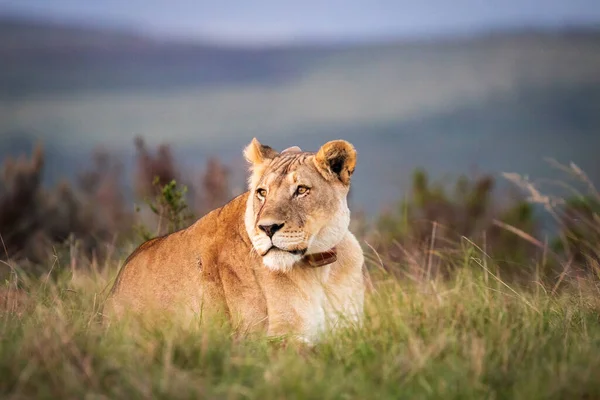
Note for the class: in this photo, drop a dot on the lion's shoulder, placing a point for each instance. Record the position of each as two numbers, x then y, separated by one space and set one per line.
211 232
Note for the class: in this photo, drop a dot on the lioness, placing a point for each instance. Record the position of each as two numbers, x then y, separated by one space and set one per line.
279 257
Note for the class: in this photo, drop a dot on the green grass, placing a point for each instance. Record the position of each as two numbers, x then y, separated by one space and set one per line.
468 338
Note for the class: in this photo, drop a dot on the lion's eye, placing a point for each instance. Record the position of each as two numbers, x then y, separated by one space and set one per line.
302 190
261 193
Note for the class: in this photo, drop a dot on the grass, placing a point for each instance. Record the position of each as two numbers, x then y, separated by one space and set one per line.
471 337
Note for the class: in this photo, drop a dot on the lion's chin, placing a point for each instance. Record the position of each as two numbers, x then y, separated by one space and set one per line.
280 260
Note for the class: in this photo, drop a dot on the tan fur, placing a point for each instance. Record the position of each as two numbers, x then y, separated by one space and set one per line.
226 264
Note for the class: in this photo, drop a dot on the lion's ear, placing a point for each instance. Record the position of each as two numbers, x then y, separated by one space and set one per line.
338 159
257 153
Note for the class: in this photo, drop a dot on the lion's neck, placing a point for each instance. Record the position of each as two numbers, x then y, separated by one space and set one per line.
321 259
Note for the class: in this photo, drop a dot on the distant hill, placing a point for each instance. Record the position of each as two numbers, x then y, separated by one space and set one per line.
21 35
41 57
44 57
502 101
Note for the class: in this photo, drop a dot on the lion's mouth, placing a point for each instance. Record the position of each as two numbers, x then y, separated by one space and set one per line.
300 252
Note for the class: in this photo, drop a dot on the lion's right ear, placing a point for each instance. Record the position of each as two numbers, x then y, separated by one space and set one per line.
338 159
257 153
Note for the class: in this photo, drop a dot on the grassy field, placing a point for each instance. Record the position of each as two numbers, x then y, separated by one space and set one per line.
473 336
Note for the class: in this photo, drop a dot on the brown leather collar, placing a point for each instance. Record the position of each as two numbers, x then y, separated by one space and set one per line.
317 260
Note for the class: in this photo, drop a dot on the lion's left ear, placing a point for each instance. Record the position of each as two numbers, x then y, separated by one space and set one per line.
257 153
337 159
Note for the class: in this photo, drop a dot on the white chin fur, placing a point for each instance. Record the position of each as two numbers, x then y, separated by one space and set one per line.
281 261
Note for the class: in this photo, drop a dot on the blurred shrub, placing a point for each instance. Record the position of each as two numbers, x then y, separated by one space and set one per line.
428 230
34 220
166 192
150 168
170 208
433 230
576 246
19 197
579 239
94 214
213 190
102 192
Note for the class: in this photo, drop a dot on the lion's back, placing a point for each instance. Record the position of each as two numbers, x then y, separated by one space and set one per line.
179 271
158 275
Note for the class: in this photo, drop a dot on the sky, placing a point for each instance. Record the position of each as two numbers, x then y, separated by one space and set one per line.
285 21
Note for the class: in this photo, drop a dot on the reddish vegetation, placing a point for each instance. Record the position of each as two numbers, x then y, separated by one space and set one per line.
429 232
149 166
92 212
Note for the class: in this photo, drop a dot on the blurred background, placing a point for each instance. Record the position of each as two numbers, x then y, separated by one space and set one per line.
116 93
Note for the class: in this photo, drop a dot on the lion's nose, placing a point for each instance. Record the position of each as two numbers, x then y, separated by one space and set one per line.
270 229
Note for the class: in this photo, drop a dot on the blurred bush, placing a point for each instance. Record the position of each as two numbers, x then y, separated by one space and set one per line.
213 189
34 219
153 170
576 215
428 230
170 208
93 214
433 230
579 238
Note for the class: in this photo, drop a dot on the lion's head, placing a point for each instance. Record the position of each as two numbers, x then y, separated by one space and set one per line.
297 202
